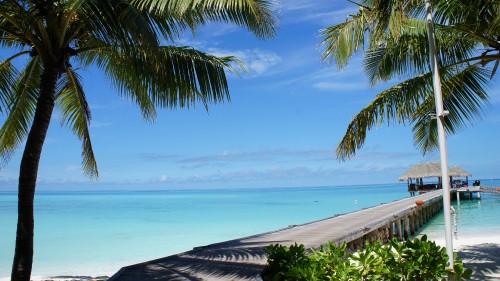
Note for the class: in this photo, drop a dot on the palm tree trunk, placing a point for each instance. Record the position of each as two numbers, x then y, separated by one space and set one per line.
23 258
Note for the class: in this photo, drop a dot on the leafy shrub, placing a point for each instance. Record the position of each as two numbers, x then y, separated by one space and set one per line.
419 259
286 263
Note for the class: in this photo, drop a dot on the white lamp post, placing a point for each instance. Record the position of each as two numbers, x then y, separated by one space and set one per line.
440 113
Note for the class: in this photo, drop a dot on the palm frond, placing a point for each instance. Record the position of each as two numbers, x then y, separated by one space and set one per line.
76 114
22 105
404 56
412 101
15 21
342 41
172 77
388 16
255 15
116 22
408 55
396 103
8 74
464 93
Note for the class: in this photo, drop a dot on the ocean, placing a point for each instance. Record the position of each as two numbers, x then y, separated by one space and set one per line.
97 233
472 219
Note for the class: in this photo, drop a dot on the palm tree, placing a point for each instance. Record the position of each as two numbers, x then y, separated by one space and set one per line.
132 42
393 36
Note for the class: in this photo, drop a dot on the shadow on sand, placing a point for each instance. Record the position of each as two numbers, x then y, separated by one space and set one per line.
223 261
483 259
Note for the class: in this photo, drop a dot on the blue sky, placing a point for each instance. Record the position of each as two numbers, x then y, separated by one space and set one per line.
281 128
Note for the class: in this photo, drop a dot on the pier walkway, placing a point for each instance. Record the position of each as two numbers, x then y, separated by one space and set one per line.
245 258
490 189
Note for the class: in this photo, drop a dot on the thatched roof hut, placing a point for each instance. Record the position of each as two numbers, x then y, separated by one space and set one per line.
422 170
458 172
431 170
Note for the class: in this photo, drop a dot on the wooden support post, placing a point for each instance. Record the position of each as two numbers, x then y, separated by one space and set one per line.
391 230
387 230
407 227
412 223
421 217
400 230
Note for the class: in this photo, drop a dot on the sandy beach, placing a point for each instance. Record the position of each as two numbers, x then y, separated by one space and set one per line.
481 254
478 245
65 278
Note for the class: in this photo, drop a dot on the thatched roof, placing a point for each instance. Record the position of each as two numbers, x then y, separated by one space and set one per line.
431 170
458 172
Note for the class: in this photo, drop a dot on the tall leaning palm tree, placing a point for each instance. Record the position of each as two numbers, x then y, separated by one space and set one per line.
132 42
393 36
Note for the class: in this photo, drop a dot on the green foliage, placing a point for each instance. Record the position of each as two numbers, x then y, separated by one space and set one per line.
134 43
417 259
393 36
286 263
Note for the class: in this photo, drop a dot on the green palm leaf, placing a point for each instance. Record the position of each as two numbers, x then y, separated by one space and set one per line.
126 40
8 74
412 102
172 77
345 39
408 55
397 48
396 103
464 96
21 108
258 16
76 114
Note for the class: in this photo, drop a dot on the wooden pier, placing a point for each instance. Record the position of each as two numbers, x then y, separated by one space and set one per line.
245 258
467 191
490 189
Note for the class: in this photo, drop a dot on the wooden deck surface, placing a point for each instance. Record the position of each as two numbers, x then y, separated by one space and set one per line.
243 259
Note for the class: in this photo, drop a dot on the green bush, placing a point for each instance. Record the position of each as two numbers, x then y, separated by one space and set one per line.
419 259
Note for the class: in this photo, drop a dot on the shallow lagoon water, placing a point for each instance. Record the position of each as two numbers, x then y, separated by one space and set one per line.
96 233
474 219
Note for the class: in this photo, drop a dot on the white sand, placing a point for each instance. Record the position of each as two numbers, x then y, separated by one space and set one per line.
462 242
481 254
42 278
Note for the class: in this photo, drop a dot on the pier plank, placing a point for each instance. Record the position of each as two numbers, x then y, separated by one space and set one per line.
244 259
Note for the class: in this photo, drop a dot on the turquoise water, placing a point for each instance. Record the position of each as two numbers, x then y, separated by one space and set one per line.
94 233
98 232
475 218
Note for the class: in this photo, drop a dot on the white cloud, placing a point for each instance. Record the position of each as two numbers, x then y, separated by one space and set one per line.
97 124
160 179
324 13
297 175
72 168
339 86
265 155
257 62
163 178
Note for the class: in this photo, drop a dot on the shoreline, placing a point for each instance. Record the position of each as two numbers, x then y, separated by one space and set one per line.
480 253
479 250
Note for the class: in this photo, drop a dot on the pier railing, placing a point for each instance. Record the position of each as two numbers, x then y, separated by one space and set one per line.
490 189
244 258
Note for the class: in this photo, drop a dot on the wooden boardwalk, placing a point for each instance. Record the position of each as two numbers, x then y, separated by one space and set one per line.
490 189
244 259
